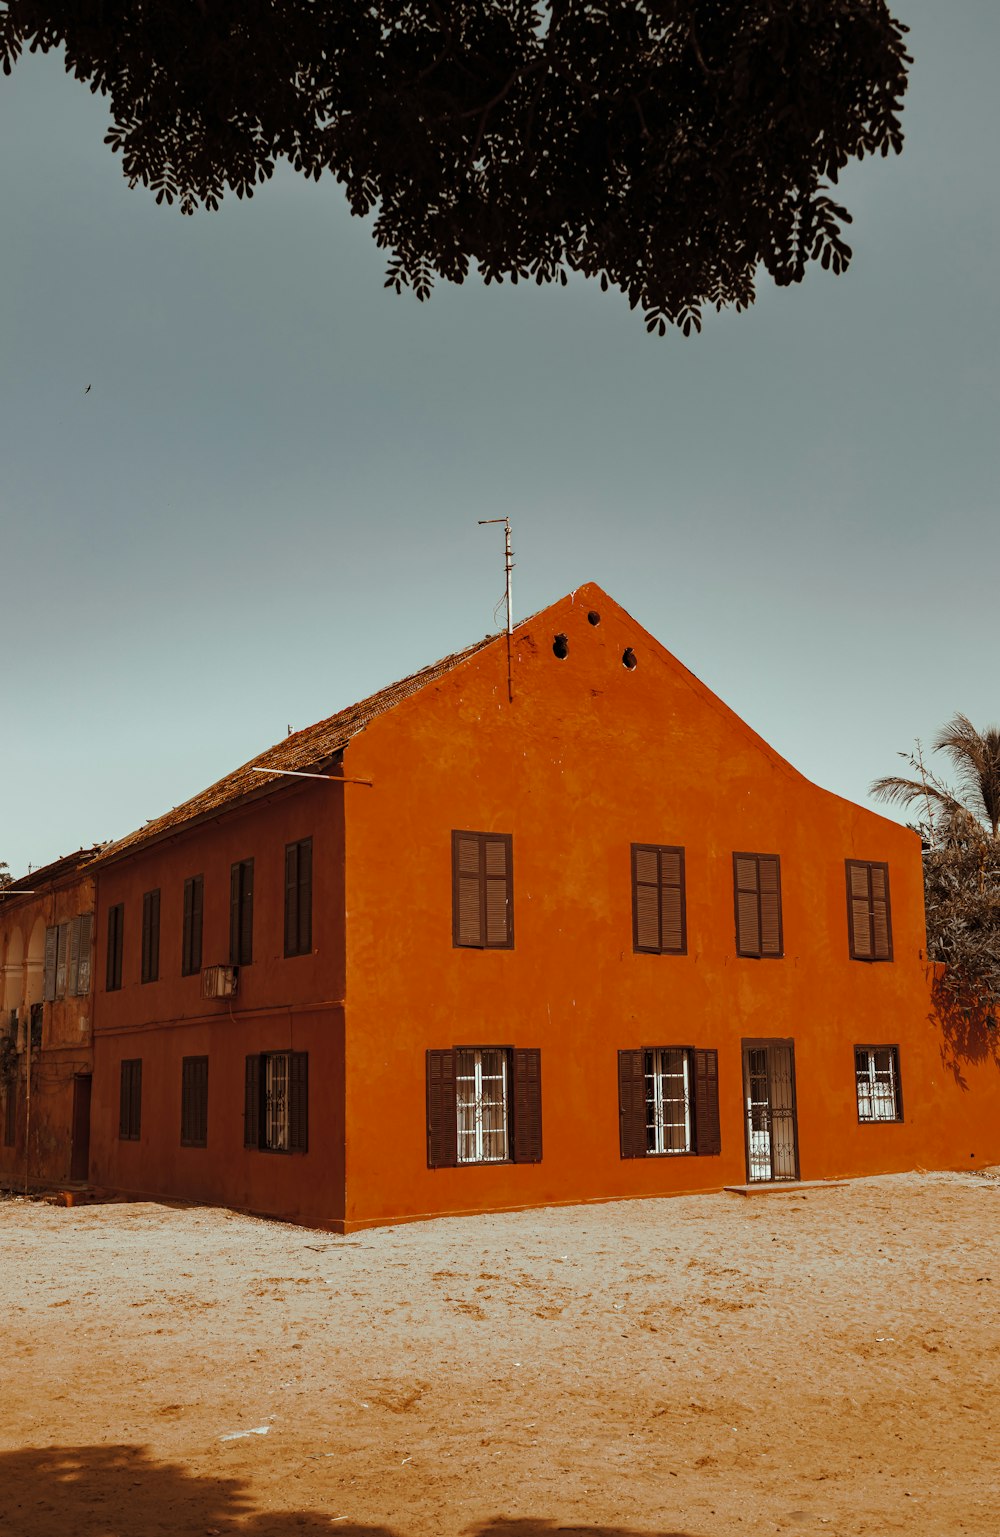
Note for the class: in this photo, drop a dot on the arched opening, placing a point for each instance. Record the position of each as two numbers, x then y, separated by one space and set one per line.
13 973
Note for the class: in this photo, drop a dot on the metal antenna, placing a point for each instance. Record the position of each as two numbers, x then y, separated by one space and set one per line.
508 568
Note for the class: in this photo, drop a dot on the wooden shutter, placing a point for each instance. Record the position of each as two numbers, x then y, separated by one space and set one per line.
527 1105
859 910
194 1101
62 958
116 925
298 1101
124 1099
49 975
769 876
645 898
85 933
747 904
291 899
498 904
881 925
73 970
632 1103
305 896
673 927
136 1097
151 936
251 1103
442 1116
194 894
707 1130
10 1112
246 912
234 916
467 913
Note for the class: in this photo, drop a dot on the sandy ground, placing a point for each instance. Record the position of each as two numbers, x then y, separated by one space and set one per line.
824 1361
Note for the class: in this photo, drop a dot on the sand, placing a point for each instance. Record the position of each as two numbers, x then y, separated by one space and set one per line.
823 1361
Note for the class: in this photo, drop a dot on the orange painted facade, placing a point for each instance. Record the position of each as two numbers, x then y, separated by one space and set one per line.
589 757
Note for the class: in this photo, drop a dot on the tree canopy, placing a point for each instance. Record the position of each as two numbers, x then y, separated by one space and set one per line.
669 148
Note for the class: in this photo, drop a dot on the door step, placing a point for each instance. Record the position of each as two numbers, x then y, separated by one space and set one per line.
784 1186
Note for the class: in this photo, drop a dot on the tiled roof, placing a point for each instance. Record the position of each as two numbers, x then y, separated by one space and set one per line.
308 750
45 874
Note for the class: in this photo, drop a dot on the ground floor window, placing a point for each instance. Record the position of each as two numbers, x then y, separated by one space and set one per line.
130 1100
484 1105
876 1070
667 1070
9 1092
194 1102
668 1101
276 1109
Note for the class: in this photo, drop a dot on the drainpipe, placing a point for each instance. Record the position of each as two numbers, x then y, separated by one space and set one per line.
27 1103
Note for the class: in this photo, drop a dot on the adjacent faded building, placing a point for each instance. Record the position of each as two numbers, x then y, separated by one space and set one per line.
552 925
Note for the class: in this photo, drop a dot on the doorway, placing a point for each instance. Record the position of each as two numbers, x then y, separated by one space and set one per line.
79 1168
772 1142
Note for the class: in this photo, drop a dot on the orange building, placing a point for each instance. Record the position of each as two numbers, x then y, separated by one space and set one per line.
558 927
46 1048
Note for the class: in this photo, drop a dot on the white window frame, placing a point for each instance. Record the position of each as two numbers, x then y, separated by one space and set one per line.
878 1088
478 1069
668 1111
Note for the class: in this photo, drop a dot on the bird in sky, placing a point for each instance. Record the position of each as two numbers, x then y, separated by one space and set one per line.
87 390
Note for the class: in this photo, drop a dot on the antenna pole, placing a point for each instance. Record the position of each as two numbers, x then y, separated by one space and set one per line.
508 568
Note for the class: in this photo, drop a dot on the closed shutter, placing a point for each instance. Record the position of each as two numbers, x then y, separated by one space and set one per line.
305 896
62 959
86 923
197 909
498 892
673 937
632 1103
881 926
194 1101
73 971
136 1106
251 1103
770 904
747 905
151 936
124 1099
442 1117
298 1101
116 924
10 1112
859 910
234 916
292 899
527 1105
49 976
707 1130
467 859
246 913
645 898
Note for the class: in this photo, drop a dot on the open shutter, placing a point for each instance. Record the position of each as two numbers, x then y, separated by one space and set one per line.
527 1105
298 1102
707 1131
251 1103
234 916
292 899
672 926
881 926
86 923
467 857
49 977
645 898
442 1117
632 1103
498 891
769 879
747 904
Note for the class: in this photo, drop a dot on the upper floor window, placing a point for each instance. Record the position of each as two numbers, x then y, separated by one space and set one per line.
668 1101
194 903
757 895
67 958
116 933
298 897
876 1071
659 919
241 913
151 936
482 890
868 920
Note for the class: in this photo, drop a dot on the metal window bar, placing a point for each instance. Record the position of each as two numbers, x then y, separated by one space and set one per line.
668 1100
877 1084
276 1101
481 1100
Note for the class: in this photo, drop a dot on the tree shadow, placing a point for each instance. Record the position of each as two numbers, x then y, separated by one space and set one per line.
121 1491
968 1029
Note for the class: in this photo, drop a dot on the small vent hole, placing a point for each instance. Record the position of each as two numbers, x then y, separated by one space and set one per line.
560 646
628 658
593 617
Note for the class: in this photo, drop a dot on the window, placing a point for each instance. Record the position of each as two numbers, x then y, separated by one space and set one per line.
194 900
241 913
876 1069
276 1102
757 894
659 920
194 1102
482 890
484 1105
151 936
298 897
868 921
116 928
130 1100
668 1101
67 958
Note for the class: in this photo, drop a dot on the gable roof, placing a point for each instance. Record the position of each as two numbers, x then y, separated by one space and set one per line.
46 874
312 749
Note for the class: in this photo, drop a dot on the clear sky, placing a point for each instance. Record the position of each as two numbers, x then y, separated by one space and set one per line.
266 506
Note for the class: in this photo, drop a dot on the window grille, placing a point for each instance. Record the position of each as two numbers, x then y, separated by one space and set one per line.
877 1073
668 1100
481 1099
276 1101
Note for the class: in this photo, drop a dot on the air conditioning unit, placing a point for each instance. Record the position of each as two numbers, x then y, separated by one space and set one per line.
219 981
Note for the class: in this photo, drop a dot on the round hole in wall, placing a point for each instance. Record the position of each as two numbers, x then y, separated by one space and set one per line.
560 646
628 658
593 617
